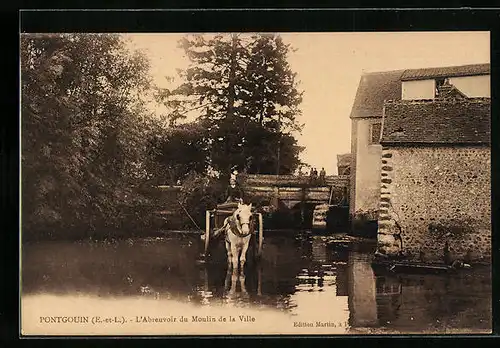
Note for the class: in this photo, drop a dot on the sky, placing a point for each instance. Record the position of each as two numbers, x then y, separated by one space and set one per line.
329 67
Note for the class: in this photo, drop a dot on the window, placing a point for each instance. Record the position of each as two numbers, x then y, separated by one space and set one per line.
375 129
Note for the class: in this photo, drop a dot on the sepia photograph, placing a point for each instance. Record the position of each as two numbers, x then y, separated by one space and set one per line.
255 183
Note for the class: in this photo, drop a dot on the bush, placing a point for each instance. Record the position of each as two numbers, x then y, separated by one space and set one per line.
200 193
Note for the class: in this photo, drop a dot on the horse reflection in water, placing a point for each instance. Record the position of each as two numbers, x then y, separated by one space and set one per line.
234 279
231 286
236 287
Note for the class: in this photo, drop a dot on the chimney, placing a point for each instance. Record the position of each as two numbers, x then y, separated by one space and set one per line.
444 89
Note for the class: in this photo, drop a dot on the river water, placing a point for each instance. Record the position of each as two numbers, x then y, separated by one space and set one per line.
159 286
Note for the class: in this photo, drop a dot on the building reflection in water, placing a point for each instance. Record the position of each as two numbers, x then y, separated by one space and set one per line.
459 300
415 303
362 291
389 298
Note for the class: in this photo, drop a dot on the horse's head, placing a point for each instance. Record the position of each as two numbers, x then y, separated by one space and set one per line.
244 215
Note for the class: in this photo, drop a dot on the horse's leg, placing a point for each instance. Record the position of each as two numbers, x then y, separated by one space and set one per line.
232 290
244 291
234 251
230 285
227 282
229 255
227 241
243 256
206 287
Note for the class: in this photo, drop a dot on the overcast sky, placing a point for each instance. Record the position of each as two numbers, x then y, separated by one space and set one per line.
329 66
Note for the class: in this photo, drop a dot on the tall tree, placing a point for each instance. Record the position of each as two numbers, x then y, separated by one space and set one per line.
244 90
84 126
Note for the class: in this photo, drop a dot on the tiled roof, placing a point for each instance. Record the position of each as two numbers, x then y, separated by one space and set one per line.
343 160
376 87
451 71
373 90
458 121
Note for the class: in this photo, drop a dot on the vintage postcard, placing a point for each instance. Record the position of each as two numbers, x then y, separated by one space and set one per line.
333 183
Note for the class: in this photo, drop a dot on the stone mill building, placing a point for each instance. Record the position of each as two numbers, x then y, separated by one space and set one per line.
421 161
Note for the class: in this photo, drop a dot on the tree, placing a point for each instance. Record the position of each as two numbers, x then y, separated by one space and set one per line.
84 126
181 149
244 90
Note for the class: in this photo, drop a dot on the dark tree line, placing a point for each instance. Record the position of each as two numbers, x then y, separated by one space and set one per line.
88 139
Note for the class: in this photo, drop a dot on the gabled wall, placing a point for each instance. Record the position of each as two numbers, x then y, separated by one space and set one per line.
419 89
367 170
352 178
471 86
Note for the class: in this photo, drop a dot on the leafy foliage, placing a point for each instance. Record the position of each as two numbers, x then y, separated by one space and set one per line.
200 193
84 126
179 150
244 92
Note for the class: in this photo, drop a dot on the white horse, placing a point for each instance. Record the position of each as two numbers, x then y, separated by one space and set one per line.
238 229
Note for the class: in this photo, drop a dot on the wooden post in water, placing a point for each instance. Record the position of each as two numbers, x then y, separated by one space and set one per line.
207 230
331 194
261 234
303 207
259 281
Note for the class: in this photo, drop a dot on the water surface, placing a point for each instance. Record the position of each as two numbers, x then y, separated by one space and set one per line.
300 281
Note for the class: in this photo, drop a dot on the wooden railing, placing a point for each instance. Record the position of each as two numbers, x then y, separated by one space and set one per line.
291 180
297 188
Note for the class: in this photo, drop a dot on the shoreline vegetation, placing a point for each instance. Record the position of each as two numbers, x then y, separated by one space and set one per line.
95 143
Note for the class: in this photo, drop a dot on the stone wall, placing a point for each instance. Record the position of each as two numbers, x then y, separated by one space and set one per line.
435 203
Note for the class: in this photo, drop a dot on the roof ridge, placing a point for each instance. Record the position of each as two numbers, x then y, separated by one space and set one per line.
446 71
422 68
449 66
383 72
437 100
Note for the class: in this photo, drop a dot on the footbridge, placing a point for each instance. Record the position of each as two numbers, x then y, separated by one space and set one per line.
291 189
327 200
